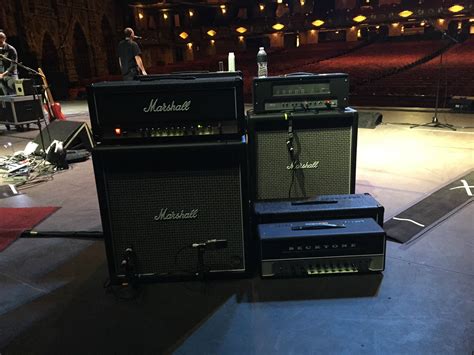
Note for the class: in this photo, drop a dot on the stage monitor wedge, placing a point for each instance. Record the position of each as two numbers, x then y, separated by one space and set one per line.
73 134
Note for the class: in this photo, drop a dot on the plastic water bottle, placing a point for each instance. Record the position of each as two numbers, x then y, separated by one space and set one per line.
231 61
262 63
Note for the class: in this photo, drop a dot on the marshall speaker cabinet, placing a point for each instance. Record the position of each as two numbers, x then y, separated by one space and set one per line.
172 211
298 155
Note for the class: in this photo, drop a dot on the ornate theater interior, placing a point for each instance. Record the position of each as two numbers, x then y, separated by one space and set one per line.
275 177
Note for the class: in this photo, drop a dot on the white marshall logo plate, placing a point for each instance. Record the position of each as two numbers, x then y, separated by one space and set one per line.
155 106
166 215
307 165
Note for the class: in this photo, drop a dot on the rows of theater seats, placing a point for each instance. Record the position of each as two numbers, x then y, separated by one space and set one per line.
455 74
378 71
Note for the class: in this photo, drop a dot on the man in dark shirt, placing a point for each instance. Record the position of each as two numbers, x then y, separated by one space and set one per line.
8 71
130 58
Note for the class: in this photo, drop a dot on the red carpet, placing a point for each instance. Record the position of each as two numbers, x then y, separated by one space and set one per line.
14 221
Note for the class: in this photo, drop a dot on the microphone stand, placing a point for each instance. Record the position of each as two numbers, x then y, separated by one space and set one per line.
434 120
32 72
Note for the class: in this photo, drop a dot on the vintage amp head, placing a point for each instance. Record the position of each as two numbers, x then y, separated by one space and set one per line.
301 92
166 109
332 246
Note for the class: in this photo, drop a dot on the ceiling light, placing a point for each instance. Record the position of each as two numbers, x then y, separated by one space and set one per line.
211 33
165 16
317 23
406 13
278 26
183 35
190 45
456 8
241 30
140 16
261 7
359 18
191 13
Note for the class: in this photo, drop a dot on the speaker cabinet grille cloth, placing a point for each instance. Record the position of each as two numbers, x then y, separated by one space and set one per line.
325 164
159 200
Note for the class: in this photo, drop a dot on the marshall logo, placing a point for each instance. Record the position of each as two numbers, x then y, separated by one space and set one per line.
172 215
307 165
154 106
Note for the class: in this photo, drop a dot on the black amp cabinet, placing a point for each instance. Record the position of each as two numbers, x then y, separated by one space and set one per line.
157 201
302 154
172 178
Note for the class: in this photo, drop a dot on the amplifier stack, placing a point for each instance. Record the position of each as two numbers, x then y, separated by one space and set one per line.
302 136
177 178
171 174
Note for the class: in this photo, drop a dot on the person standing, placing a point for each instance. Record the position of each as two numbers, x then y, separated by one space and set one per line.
130 59
8 68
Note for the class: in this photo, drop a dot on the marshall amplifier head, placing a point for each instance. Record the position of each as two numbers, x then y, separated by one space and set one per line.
333 246
301 92
168 109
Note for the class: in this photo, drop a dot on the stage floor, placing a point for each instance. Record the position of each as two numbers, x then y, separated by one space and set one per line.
52 298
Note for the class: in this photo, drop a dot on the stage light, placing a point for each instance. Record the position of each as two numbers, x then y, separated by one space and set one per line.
183 35
241 30
359 18
278 26
317 23
405 14
456 8
211 33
